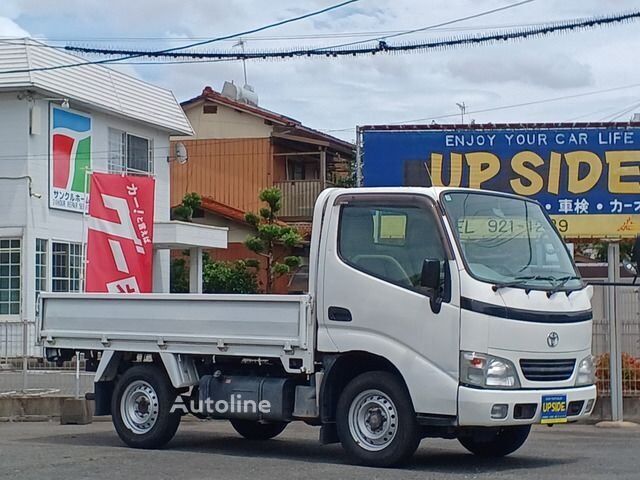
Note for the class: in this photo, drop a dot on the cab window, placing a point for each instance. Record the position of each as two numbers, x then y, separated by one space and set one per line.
389 242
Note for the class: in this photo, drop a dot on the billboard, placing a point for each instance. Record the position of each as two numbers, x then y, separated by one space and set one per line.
120 237
70 159
587 179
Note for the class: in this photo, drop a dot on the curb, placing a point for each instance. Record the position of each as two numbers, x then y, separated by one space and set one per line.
620 424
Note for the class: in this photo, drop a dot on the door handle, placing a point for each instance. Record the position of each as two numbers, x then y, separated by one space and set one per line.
339 314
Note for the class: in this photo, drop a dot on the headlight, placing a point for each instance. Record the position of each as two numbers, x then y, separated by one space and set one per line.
586 372
487 371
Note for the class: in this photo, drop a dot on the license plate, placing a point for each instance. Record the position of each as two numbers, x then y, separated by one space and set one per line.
554 409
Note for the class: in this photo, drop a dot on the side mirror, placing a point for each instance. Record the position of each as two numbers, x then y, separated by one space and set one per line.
629 267
632 265
430 276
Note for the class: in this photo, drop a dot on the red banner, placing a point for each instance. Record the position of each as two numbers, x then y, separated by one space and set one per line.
120 242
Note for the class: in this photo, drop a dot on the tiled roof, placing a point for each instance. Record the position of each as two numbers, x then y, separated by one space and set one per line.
213 206
209 94
226 211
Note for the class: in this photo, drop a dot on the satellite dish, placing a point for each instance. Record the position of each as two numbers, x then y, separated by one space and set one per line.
181 153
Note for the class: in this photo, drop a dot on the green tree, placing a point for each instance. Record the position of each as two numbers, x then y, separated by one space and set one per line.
179 276
229 277
349 180
601 249
269 234
218 277
190 203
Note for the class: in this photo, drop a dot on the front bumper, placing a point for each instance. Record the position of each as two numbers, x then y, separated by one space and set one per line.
474 405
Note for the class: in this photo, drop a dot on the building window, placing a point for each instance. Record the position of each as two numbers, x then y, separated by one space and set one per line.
66 266
9 277
301 170
41 266
209 109
129 153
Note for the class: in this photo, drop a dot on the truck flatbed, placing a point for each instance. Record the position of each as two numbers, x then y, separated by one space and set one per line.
269 326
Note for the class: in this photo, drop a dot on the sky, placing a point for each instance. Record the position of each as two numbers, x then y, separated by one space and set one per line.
336 94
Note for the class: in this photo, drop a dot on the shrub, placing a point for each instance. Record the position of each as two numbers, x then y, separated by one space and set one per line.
218 277
229 277
630 372
179 276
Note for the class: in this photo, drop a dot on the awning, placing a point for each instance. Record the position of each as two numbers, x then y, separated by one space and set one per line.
182 235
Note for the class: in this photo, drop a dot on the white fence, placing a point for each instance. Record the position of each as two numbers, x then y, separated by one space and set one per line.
628 316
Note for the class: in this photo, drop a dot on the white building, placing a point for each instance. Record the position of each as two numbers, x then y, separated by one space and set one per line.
42 228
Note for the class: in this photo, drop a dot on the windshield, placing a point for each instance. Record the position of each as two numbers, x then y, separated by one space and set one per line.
509 242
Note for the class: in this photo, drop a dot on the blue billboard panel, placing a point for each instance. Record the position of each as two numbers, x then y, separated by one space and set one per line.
570 171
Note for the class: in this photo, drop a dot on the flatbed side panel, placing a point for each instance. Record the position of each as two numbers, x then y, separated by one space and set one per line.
253 325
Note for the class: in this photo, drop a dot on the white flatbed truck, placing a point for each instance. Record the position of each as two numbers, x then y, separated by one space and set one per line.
432 312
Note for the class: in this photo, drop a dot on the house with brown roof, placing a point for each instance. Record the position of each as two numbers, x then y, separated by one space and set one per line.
240 148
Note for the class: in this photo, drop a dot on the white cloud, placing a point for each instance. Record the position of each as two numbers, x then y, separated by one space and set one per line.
556 71
344 92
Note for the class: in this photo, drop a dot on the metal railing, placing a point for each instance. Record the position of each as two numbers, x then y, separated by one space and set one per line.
24 370
298 197
627 309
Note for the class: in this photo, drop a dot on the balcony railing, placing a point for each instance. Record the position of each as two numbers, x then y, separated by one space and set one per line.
298 197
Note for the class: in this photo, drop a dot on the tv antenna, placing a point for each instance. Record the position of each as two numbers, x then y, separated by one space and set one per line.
463 109
241 43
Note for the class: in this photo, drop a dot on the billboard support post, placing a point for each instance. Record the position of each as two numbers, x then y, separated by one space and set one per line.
358 157
615 367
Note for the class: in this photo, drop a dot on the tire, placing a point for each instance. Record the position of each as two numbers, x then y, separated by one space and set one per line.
254 430
494 442
140 407
376 422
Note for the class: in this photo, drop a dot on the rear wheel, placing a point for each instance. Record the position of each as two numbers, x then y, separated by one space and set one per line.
141 407
494 442
254 430
375 420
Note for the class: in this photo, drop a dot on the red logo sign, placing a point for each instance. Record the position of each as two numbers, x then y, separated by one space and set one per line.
119 245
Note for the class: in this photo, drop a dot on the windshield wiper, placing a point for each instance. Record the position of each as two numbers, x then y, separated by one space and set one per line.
519 281
557 282
561 282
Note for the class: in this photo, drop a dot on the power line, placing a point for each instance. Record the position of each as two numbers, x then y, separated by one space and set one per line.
383 47
429 27
628 109
312 36
503 107
191 45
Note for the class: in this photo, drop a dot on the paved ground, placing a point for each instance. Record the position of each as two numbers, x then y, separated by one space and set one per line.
212 450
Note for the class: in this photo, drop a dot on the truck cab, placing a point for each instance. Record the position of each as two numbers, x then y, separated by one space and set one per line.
432 312
471 295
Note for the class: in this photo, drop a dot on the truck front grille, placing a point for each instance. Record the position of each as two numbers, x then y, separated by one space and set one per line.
547 370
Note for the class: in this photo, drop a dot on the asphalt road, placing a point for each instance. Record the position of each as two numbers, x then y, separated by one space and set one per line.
204 450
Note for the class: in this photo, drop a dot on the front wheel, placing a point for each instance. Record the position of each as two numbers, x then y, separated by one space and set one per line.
254 430
375 420
494 442
141 407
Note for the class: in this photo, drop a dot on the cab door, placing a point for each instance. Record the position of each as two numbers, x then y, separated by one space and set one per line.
372 300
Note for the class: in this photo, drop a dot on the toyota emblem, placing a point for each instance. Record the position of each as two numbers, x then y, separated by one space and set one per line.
553 339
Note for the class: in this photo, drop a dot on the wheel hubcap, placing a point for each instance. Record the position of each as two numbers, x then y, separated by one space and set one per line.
139 407
373 420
